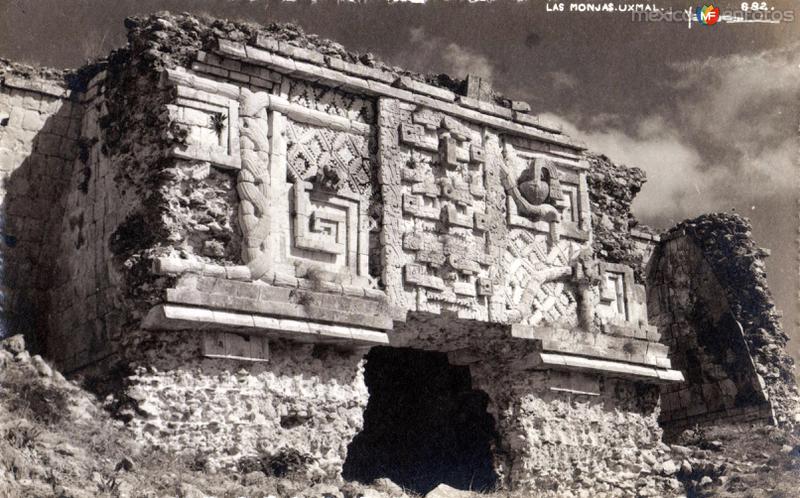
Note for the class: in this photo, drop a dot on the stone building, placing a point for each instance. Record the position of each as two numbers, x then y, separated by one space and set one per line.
262 245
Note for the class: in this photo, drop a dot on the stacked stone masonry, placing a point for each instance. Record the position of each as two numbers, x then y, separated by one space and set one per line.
708 295
229 216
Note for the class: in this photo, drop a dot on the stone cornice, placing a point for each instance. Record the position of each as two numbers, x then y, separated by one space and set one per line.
374 82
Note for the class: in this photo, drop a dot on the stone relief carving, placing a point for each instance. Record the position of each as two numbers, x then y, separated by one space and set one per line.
331 101
481 225
305 191
538 192
538 288
544 195
456 256
253 184
444 200
211 123
334 160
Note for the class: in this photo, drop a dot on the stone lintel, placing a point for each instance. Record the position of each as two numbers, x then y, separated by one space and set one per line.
570 362
316 118
292 303
629 350
180 317
184 78
36 85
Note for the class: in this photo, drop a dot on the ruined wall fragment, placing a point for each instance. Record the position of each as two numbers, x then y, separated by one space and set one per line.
300 410
618 237
708 295
39 125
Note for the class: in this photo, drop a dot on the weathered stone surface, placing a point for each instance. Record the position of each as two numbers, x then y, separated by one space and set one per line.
14 344
708 295
217 196
299 402
612 189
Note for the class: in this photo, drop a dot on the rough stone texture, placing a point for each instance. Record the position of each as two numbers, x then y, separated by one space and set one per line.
607 439
602 431
707 280
612 188
113 213
175 39
420 436
306 403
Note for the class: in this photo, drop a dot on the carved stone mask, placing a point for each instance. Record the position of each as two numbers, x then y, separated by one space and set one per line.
534 183
330 179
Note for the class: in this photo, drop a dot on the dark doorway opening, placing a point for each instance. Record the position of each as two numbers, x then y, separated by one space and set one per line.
424 424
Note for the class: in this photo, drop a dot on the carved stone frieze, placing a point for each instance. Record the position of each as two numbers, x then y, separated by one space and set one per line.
305 191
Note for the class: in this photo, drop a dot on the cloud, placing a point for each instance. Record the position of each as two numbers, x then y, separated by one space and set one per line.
676 186
730 139
562 80
431 53
747 105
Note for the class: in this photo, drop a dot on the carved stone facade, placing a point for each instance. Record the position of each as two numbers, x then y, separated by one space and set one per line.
364 208
287 207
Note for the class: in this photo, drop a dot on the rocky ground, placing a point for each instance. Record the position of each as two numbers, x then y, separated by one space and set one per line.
56 440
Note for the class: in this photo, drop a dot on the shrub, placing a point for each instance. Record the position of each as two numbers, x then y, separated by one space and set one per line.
39 401
22 436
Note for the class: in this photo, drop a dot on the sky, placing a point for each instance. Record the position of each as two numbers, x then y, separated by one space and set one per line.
709 112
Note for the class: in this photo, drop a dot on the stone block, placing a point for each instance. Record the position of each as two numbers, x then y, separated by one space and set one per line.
32 120
416 86
520 106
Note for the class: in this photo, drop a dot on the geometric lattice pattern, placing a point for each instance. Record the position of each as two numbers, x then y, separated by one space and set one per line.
331 101
311 150
536 280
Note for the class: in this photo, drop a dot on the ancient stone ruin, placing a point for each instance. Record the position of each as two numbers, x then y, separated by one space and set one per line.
260 245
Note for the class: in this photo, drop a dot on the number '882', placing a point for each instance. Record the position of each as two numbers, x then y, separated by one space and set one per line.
754 6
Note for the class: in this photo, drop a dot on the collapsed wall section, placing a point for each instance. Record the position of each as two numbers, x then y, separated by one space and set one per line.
708 294
425 424
617 236
115 215
598 428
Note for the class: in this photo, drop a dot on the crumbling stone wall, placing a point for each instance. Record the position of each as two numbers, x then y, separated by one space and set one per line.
294 414
618 237
39 128
603 433
239 192
709 296
112 213
425 424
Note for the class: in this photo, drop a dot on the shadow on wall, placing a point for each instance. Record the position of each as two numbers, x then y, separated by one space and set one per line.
424 424
35 151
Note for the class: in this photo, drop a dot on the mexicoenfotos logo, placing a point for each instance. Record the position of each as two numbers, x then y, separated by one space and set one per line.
710 15
707 14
